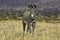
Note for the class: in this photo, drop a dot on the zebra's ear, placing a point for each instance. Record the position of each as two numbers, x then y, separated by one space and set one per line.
35 6
30 6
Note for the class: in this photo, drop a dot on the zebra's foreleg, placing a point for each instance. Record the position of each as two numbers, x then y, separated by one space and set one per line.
33 27
28 28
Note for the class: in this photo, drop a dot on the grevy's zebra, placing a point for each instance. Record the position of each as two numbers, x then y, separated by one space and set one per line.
29 19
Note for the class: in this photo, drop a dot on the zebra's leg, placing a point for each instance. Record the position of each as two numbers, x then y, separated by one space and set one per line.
28 28
24 25
33 27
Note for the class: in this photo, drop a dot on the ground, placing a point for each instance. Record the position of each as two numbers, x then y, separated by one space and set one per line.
12 30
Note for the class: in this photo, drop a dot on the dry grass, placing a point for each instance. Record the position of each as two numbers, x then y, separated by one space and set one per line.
12 30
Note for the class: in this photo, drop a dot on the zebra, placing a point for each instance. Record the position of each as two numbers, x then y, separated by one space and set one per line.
29 19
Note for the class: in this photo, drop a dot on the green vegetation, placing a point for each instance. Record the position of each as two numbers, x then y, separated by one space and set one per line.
17 16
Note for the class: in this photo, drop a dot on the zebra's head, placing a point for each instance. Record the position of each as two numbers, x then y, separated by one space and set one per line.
32 15
32 9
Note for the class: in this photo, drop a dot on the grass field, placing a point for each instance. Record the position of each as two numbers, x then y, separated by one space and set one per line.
12 30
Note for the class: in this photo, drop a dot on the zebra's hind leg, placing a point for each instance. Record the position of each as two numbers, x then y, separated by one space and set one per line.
24 25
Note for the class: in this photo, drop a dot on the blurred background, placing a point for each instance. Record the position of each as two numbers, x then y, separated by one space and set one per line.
13 9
